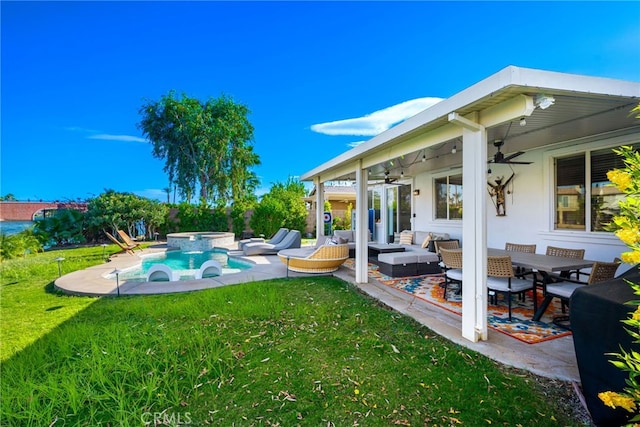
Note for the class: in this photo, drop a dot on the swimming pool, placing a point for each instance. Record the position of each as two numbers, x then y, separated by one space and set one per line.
184 263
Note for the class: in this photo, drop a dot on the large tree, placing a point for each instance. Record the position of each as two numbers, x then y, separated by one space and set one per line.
112 210
207 146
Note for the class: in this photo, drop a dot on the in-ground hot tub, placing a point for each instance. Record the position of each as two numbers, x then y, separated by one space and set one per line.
200 240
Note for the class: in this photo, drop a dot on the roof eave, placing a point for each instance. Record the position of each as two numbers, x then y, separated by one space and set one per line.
525 78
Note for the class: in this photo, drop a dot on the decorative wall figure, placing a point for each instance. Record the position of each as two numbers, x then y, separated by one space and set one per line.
496 191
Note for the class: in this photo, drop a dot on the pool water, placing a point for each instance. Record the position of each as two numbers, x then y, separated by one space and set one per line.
186 264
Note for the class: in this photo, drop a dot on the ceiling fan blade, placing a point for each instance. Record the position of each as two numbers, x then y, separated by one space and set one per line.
512 156
518 163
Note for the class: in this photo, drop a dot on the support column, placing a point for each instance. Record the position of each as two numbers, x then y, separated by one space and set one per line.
319 208
362 226
474 228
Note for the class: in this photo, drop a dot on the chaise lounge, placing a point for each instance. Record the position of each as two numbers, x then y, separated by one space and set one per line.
125 248
128 240
275 239
293 239
321 259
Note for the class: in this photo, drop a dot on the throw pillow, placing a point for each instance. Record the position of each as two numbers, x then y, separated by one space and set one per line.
406 238
342 240
396 238
329 241
427 240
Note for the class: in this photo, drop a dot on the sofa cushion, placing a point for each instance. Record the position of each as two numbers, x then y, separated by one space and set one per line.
425 242
398 258
424 256
345 234
420 236
406 238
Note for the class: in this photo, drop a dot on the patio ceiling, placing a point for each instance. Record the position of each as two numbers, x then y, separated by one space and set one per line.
584 106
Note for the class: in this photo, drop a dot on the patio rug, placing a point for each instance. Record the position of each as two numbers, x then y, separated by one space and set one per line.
521 327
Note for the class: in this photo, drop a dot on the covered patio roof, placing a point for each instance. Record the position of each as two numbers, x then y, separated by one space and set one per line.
584 106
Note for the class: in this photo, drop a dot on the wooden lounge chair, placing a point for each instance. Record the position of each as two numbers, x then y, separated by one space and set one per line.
125 248
323 259
128 240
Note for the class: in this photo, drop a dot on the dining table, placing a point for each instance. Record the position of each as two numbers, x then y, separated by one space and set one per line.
544 265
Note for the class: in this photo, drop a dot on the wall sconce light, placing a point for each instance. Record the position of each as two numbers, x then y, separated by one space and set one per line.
454 150
416 192
523 122
544 101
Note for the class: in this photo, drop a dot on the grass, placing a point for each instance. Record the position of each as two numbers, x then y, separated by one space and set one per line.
305 351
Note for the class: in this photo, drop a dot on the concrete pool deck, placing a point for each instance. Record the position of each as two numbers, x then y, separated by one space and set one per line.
553 359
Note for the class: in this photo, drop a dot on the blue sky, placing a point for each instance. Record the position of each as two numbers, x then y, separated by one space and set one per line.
317 77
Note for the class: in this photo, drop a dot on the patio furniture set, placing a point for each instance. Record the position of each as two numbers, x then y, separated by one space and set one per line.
413 253
557 273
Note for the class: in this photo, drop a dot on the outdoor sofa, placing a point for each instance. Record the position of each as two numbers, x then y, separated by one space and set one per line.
417 258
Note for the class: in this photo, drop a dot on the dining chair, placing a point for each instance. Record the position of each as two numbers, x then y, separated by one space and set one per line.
452 264
566 253
501 278
446 244
600 272
519 247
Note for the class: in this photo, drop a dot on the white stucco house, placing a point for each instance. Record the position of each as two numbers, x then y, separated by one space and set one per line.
432 172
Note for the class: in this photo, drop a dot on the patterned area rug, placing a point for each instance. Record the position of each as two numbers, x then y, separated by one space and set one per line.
521 327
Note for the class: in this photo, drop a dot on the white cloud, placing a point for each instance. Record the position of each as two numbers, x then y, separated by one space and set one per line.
355 143
80 129
108 137
378 121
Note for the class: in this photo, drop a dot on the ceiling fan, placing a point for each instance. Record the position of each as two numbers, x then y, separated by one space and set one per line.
388 179
499 157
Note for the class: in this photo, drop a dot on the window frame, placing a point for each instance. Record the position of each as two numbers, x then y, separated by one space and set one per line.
448 177
584 146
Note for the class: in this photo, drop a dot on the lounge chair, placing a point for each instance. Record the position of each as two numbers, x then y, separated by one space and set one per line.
161 273
274 240
322 259
128 240
208 269
293 239
125 248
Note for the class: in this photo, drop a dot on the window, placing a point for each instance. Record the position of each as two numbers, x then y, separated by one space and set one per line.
584 199
448 194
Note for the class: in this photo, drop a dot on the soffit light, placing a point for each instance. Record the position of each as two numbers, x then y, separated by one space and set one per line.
544 101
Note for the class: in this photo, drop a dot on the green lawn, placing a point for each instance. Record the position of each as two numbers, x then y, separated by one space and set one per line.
306 351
